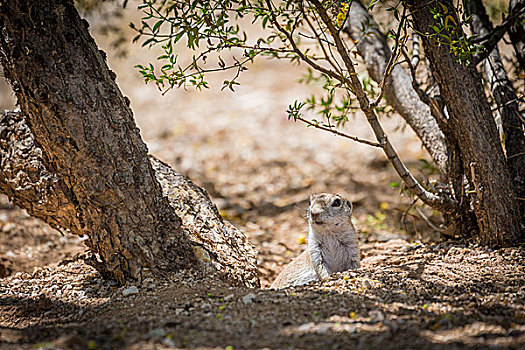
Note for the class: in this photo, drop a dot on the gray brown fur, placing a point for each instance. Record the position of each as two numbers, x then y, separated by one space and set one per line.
332 243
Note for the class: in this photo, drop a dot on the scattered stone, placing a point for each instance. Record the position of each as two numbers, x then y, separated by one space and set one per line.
229 297
376 316
248 298
323 328
130 291
305 328
7 227
169 342
206 307
156 333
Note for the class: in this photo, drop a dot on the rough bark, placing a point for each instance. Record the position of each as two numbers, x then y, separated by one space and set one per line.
506 99
84 166
517 35
399 93
217 244
493 199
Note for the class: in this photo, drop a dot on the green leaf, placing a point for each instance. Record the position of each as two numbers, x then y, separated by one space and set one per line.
157 25
372 4
149 41
177 37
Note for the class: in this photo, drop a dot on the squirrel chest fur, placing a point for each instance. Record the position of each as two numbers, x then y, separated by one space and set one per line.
332 243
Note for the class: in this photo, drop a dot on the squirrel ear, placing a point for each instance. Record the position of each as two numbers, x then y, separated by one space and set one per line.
349 205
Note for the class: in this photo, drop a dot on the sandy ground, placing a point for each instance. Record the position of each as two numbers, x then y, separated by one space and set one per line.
260 168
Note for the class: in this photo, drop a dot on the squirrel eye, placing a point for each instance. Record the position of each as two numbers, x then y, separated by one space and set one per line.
336 203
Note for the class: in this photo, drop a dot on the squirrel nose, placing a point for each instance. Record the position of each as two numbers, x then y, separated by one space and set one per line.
314 215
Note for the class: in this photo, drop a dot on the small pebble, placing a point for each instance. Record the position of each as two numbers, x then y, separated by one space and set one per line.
248 298
323 328
130 291
156 333
376 316
169 342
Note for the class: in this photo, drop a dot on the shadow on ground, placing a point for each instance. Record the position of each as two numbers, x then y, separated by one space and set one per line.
405 296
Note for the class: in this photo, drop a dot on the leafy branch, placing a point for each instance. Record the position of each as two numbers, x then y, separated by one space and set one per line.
286 23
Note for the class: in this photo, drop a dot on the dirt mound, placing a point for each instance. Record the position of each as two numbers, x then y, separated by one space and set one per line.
440 296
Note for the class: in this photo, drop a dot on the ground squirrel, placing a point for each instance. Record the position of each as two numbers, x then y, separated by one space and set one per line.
332 243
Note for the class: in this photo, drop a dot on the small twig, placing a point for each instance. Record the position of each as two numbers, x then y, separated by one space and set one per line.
514 100
301 54
416 233
435 108
404 216
516 155
500 30
320 41
391 61
428 222
427 181
323 32
333 131
286 247
314 38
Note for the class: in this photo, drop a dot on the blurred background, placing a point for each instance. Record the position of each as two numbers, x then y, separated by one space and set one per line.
258 167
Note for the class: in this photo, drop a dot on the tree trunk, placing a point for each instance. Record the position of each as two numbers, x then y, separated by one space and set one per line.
507 102
81 163
436 136
517 36
399 94
493 199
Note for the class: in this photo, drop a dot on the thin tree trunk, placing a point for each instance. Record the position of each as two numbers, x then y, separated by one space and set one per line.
439 201
372 46
491 192
82 164
436 136
506 99
517 36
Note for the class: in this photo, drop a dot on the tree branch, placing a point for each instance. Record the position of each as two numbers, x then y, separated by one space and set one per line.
490 40
392 60
417 88
338 133
298 51
320 41
415 51
439 202
399 94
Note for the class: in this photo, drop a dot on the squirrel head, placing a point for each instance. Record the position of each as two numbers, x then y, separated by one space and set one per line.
329 210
